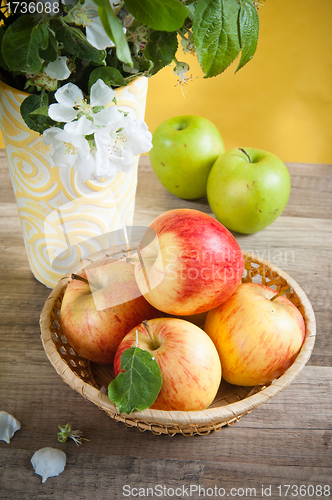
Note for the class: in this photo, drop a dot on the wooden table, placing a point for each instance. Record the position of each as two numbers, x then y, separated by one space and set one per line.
287 441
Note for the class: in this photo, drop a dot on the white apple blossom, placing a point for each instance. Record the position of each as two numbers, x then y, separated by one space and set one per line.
69 98
58 69
119 138
71 102
86 15
68 150
101 94
97 143
54 71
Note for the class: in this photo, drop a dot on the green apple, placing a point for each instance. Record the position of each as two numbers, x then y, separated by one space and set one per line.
184 150
248 189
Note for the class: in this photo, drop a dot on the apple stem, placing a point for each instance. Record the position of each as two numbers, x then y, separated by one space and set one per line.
286 290
148 329
80 278
245 152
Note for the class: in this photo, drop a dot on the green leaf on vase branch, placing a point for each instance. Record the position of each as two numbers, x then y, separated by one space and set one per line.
110 76
161 49
114 29
160 15
22 43
191 11
100 3
248 29
43 110
30 111
2 61
76 43
51 52
216 36
137 385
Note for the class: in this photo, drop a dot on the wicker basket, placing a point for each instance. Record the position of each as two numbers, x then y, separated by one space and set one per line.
231 402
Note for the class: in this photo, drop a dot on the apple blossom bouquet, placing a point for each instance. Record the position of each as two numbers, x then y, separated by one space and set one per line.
69 55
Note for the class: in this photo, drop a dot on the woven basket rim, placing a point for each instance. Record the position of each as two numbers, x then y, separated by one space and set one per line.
210 417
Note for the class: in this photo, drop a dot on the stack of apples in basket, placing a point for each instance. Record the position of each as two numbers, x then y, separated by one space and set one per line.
174 318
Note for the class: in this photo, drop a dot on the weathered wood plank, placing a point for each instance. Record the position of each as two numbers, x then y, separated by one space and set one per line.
114 477
264 444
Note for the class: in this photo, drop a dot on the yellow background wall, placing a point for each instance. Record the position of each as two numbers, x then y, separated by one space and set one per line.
281 101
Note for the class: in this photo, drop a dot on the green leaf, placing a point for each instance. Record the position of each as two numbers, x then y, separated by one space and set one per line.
161 49
216 37
248 28
138 384
160 15
40 111
111 76
114 29
2 61
31 104
75 43
21 45
51 52
191 11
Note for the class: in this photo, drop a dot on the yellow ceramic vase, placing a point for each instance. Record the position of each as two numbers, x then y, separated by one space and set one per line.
63 219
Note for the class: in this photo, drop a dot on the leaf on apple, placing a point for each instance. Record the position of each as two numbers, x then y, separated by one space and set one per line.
138 384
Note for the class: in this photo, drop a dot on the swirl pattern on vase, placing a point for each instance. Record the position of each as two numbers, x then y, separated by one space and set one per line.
63 219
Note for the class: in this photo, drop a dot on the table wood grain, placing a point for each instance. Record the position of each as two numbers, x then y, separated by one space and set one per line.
287 441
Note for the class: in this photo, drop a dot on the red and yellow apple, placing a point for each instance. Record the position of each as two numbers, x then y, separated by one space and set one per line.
257 338
193 264
97 314
188 360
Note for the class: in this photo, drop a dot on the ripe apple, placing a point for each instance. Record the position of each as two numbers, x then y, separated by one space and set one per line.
184 150
95 318
193 265
257 338
188 360
247 189
197 319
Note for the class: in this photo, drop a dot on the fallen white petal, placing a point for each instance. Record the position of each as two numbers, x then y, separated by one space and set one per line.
8 426
48 462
